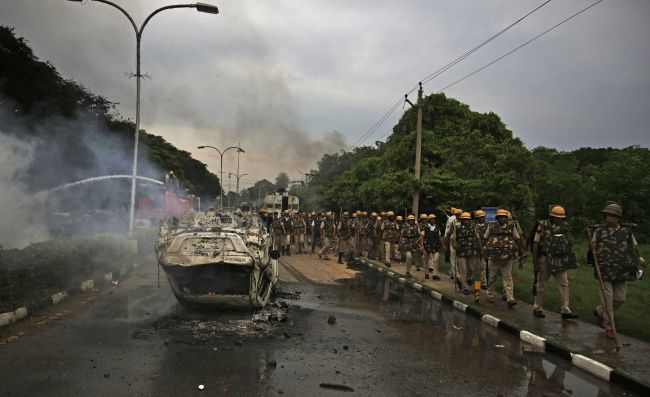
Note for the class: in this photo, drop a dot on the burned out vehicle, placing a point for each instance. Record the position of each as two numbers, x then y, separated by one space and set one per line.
217 259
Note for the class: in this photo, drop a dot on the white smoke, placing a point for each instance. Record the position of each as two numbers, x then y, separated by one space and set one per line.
20 216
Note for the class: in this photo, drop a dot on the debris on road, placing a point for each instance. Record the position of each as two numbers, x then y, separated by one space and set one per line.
331 319
201 387
336 386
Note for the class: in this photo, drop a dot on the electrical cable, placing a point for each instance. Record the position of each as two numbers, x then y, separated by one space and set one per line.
441 70
518 47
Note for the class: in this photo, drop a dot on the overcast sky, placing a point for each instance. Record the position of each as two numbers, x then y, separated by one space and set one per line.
291 80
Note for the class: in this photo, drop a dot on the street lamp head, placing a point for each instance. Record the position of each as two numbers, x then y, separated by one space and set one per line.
207 8
200 147
240 150
76 1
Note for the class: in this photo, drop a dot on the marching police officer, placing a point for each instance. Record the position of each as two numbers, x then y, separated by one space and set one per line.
553 255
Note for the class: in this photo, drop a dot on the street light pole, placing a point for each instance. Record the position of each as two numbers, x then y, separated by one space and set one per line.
237 185
239 150
201 7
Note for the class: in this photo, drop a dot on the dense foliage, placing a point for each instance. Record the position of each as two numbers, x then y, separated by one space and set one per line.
470 160
60 117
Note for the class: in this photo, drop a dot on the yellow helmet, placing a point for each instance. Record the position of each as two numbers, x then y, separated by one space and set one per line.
171 172
364 213
423 216
313 213
383 213
410 217
390 213
479 213
453 210
354 214
431 216
503 212
345 214
374 214
557 211
458 211
465 215
379 218
399 218
358 212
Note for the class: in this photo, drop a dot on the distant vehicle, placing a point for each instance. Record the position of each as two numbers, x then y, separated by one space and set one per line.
279 202
246 208
158 205
217 259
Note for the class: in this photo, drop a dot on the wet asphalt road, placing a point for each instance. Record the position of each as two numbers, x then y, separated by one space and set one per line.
136 340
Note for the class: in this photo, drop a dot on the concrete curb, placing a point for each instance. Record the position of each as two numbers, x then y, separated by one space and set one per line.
12 317
587 364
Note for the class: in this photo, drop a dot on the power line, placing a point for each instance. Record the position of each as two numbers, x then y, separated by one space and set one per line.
441 70
518 47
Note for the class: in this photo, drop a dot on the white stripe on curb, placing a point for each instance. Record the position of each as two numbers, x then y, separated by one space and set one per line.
58 297
417 286
21 312
460 306
381 269
402 280
392 274
533 339
592 366
490 320
86 285
436 295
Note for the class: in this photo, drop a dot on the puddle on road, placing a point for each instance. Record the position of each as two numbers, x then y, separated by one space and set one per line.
439 327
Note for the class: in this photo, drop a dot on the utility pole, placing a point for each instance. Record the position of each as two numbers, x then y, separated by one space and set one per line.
418 150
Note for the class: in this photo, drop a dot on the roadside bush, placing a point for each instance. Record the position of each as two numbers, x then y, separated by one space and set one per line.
49 266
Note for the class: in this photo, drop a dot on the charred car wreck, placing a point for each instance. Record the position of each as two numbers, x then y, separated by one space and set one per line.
217 259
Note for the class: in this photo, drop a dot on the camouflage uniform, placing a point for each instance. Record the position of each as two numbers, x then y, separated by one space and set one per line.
432 243
618 260
481 228
466 243
501 249
554 255
363 236
409 236
371 238
286 220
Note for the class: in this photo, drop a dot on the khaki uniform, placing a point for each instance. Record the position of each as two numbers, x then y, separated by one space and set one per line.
277 227
554 255
345 233
451 224
501 248
409 236
327 232
390 231
432 242
298 228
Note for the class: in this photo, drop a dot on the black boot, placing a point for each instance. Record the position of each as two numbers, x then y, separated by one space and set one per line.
340 258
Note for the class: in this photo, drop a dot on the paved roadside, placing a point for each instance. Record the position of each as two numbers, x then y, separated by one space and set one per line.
582 343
